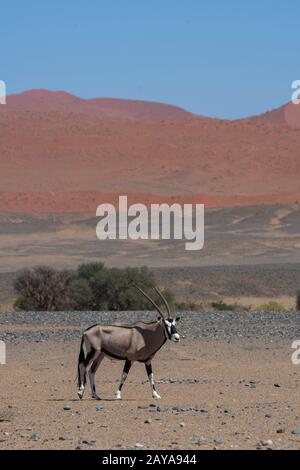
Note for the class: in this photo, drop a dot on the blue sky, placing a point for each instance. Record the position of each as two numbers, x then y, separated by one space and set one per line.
219 58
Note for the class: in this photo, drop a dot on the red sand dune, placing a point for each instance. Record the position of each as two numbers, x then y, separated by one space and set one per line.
53 142
60 101
88 201
286 115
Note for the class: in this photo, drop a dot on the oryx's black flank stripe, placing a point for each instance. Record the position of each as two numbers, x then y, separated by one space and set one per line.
113 356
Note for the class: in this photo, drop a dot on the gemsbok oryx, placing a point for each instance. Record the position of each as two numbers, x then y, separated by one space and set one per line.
136 342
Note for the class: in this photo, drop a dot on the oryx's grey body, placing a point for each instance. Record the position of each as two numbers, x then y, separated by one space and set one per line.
137 342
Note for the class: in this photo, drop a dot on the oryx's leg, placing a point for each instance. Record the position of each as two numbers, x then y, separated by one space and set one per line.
151 380
93 369
82 367
87 352
126 369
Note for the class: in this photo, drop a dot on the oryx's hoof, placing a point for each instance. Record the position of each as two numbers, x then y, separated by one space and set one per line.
96 397
156 396
80 393
118 395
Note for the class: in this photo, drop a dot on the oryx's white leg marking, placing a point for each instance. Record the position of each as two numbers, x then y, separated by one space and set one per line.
155 395
126 369
93 369
80 391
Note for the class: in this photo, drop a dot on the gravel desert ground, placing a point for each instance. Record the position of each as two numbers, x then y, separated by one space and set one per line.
229 384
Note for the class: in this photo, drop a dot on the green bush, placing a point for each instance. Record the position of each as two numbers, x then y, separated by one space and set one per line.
189 306
92 287
271 307
44 288
24 303
82 295
298 300
88 270
223 307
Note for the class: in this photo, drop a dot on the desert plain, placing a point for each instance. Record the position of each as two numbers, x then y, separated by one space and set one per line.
229 384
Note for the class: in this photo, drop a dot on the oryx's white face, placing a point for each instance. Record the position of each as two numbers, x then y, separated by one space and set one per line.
171 329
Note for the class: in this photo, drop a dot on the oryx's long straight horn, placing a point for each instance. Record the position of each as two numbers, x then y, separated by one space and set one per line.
164 300
150 300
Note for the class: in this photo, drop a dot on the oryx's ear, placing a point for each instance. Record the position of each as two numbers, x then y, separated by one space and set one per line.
177 319
158 318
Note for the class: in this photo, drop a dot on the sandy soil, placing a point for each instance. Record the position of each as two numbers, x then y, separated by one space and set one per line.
288 302
233 236
38 382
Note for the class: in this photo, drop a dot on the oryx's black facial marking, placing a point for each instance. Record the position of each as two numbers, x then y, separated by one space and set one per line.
171 329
